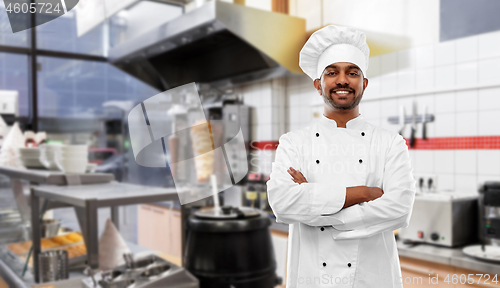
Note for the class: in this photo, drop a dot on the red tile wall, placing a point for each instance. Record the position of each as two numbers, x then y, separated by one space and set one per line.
452 143
438 143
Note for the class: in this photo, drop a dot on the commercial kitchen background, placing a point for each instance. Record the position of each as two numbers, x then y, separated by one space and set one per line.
441 55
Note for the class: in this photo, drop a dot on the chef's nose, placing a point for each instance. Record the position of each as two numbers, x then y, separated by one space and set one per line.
342 79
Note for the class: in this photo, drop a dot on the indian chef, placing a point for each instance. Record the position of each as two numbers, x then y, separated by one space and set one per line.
342 184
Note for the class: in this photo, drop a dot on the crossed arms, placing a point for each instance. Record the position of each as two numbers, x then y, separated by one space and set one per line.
359 212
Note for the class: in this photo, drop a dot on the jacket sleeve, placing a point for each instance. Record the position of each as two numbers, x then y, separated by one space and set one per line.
390 211
304 203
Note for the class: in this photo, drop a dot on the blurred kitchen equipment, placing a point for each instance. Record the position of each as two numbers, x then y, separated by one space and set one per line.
489 213
31 157
256 192
215 194
29 139
214 36
401 120
424 124
251 195
487 253
50 227
48 154
232 249
402 123
227 116
442 218
148 271
53 265
72 158
89 272
413 124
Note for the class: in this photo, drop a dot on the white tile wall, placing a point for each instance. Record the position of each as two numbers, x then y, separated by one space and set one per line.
444 161
489 123
446 182
444 77
406 81
425 56
466 161
370 109
488 162
389 63
445 102
488 71
467 49
373 89
466 100
445 53
465 183
424 160
488 45
489 99
466 74
445 125
389 84
374 67
424 80
466 123
407 60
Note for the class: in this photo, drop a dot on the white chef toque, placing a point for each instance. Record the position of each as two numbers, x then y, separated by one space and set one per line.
333 44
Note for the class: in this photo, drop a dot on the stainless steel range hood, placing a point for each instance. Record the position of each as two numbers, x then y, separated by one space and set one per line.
218 43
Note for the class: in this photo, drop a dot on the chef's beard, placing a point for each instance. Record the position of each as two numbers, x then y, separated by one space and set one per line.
328 99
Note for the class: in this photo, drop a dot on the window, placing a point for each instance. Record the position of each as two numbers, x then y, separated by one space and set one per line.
14 76
7 38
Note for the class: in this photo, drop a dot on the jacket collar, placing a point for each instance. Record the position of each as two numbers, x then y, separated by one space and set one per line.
356 123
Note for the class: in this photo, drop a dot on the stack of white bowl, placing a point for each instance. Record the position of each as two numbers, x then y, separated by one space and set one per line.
72 158
48 154
30 157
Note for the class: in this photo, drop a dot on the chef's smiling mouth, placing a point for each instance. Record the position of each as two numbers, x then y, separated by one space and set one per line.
342 92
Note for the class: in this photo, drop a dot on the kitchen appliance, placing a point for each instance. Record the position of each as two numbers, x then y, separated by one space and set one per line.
442 218
232 43
229 121
53 265
256 191
489 213
50 227
146 272
231 247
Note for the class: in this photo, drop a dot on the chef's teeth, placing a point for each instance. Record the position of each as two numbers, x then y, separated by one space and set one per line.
342 92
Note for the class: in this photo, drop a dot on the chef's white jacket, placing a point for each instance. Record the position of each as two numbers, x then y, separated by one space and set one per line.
330 246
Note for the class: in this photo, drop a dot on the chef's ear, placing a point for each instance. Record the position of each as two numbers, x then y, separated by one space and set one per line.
365 83
317 85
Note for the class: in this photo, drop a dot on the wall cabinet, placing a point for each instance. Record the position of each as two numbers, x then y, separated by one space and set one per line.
159 228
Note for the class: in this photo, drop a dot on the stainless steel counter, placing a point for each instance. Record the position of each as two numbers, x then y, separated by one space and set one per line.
448 256
54 177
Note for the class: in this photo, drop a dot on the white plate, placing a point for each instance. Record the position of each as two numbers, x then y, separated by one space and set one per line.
491 253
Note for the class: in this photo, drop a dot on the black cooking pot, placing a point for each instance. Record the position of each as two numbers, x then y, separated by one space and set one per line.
231 247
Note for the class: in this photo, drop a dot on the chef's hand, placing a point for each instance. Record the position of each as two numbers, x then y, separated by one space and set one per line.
297 176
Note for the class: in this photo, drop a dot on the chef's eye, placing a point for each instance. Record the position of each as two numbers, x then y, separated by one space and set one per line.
330 73
353 73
